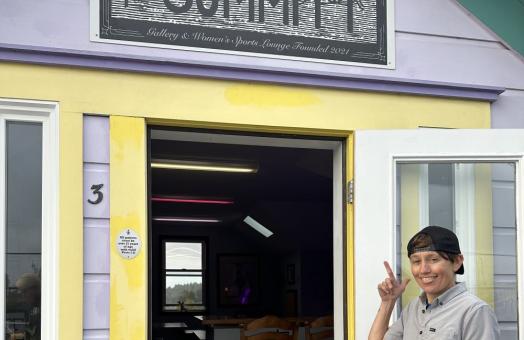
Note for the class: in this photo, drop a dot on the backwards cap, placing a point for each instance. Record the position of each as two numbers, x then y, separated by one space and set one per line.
442 239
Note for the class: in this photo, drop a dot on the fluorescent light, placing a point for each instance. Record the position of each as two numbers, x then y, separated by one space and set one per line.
186 219
257 226
189 200
203 166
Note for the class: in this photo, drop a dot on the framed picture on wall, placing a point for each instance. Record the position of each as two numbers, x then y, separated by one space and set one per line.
238 280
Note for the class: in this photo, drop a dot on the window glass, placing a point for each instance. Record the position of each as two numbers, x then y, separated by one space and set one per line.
441 209
477 201
184 288
23 229
183 255
183 276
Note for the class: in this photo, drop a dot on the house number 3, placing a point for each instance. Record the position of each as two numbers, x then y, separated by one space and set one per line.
96 191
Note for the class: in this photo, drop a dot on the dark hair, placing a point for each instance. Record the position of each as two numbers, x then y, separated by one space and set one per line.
425 241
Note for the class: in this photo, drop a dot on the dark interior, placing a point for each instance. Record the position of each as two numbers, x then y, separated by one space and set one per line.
291 194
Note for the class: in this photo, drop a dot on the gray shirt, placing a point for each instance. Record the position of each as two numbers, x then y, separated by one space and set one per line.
454 315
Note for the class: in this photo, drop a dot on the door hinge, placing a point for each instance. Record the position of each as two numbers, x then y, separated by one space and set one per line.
351 188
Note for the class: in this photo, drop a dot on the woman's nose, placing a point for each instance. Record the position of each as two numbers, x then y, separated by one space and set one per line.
425 267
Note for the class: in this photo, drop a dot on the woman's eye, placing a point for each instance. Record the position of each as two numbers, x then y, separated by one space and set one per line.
435 259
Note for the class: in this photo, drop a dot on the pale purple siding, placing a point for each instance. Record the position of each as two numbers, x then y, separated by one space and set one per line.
96 229
436 41
508 111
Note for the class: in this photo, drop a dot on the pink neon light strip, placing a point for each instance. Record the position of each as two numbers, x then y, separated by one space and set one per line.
190 200
186 219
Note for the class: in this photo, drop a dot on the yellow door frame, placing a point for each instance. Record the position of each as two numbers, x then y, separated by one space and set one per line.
128 183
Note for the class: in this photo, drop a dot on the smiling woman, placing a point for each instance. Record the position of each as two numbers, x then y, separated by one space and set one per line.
435 271
434 274
445 309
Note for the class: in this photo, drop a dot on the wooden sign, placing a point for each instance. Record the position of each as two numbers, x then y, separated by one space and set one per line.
334 31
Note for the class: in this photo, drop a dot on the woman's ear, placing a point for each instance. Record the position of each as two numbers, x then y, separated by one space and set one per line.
458 262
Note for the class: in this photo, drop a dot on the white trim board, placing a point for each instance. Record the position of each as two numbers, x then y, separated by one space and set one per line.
46 113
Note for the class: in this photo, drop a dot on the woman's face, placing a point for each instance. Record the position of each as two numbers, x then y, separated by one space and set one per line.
433 273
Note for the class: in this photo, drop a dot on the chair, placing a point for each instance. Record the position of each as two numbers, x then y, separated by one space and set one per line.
269 327
320 329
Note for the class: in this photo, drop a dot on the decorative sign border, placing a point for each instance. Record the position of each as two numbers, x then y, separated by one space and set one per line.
356 32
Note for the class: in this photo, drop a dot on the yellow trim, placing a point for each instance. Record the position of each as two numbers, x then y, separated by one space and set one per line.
196 102
484 233
71 274
350 249
410 221
128 194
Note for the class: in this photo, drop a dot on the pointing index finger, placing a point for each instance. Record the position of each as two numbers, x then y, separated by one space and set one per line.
389 271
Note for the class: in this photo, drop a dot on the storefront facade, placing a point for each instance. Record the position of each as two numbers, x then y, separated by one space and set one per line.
97 104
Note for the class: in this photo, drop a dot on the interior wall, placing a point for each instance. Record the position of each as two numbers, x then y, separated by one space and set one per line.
219 240
316 292
313 271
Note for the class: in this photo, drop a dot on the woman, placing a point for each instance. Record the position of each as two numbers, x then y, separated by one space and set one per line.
445 310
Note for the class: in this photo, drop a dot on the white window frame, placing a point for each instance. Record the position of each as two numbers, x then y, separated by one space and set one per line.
202 271
47 114
464 191
464 219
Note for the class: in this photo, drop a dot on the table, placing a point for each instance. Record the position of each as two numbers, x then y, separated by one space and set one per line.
169 330
170 325
232 321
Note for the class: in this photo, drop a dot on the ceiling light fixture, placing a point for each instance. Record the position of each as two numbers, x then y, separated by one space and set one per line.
257 226
186 219
203 166
190 200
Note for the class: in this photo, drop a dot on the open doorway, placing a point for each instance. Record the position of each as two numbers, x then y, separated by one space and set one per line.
242 227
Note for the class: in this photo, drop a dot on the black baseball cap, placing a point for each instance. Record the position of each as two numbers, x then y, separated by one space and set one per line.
442 239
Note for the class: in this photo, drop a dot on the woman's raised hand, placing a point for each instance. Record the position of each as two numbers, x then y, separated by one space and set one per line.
390 289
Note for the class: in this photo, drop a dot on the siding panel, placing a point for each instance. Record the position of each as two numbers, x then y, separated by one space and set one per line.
96 229
469 54
96 301
96 239
504 249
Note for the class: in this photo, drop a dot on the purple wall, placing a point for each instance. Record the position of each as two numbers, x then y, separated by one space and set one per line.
438 43
96 228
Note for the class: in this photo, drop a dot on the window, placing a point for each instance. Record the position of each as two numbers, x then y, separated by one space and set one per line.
28 242
476 201
184 275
